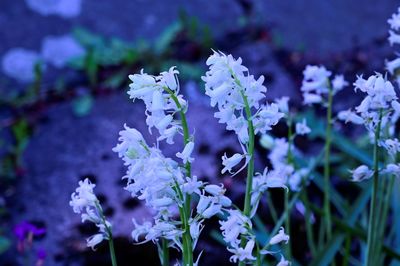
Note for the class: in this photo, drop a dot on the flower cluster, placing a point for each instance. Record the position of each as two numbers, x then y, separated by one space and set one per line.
236 94
151 176
379 104
161 96
379 108
161 182
85 202
237 227
317 84
233 229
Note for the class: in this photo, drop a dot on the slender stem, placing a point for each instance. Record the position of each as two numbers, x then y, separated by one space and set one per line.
370 260
290 140
383 213
383 209
186 237
281 220
112 251
327 207
186 140
165 258
346 255
286 197
271 207
109 233
287 223
321 234
307 218
250 166
185 212
356 231
258 258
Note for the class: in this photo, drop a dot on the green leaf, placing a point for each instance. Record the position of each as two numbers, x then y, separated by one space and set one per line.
396 218
87 38
77 63
82 105
217 236
338 140
115 53
91 67
164 41
327 254
21 130
4 244
335 197
347 146
116 80
260 225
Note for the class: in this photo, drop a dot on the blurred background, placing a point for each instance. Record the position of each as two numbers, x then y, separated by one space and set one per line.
63 83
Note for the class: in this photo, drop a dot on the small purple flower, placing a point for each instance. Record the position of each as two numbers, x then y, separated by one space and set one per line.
41 254
23 229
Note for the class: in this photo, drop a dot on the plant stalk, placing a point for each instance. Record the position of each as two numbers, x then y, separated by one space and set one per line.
112 251
110 235
373 219
165 259
286 196
328 137
250 166
185 211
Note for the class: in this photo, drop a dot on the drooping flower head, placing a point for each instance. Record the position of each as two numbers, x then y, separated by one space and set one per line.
380 98
317 84
159 94
238 97
230 88
85 202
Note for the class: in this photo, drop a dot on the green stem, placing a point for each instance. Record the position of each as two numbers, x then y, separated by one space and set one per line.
186 237
383 209
307 218
165 258
109 232
373 219
271 207
250 166
281 220
290 141
355 230
327 207
347 246
383 214
258 258
185 212
185 128
287 223
112 251
321 234
286 197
